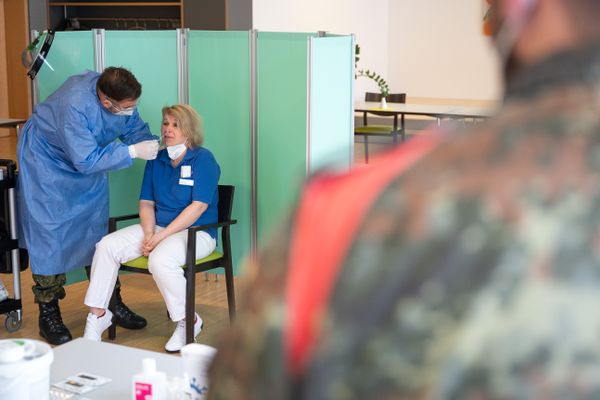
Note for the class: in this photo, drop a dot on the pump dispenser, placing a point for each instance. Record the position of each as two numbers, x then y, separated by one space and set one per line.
150 384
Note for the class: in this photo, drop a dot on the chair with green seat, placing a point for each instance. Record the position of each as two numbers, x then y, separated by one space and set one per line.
217 259
381 130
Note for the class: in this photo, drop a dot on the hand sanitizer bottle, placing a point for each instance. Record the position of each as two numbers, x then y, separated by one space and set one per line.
149 384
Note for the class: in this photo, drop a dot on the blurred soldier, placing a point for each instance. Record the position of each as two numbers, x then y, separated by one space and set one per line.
456 268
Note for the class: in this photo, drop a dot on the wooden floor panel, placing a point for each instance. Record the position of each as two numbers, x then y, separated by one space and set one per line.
141 295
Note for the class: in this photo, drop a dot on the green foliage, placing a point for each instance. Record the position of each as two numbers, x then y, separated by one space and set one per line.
383 86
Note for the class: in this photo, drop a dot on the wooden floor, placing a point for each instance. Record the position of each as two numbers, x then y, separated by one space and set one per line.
141 295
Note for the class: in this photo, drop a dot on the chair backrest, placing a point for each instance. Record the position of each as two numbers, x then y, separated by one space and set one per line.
390 98
225 202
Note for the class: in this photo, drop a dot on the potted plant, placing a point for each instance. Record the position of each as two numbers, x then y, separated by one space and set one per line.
384 89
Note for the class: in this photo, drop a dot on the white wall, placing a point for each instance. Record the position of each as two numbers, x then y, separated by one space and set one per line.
437 49
426 48
368 20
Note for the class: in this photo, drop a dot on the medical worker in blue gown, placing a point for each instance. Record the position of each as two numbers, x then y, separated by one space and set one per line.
65 151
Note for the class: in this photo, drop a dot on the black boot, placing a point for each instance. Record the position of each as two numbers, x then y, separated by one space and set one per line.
125 317
51 324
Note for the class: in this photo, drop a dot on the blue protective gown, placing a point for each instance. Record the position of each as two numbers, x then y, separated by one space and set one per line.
64 152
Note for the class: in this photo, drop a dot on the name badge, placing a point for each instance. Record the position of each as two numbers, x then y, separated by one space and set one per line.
186 182
186 171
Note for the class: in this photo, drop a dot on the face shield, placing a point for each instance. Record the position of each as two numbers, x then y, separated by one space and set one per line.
34 55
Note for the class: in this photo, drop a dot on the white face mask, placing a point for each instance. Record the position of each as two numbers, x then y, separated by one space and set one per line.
126 111
176 150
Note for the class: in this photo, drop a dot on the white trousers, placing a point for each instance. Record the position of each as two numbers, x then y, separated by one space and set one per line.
164 263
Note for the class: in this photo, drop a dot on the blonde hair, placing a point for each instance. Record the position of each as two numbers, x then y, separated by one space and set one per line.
188 121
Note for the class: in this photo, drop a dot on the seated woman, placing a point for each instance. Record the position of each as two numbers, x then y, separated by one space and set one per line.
179 190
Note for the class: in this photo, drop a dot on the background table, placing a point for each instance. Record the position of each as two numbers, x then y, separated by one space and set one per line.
113 361
437 111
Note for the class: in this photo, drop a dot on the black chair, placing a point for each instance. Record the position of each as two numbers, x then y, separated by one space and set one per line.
192 266
381 130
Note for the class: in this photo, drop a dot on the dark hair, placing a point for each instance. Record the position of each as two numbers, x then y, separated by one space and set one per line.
119 84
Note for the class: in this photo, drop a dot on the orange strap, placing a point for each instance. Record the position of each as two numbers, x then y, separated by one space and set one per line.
328 217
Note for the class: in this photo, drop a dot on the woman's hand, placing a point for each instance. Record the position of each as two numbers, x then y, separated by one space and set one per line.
151 242
146 249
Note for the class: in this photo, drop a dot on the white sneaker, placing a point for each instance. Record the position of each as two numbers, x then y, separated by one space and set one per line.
177 340
95 326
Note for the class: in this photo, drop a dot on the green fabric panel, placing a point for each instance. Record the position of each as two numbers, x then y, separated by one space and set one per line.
282 124
219 85
71 53
331 108
142 262
152 57
76 275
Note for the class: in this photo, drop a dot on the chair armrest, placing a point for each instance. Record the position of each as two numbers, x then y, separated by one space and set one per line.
196 228
190 255
112 221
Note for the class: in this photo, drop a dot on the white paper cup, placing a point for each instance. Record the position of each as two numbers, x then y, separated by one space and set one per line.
25 369
196 360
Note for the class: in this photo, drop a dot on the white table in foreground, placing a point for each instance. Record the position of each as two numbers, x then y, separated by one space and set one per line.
113 361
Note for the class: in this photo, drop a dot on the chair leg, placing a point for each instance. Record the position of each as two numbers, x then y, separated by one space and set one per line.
366 149
190 304
112 329
230 291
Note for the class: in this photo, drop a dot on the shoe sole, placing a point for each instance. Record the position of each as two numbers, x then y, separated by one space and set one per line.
177 351
53 343
131 327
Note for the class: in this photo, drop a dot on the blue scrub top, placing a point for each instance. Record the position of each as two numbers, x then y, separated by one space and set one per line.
65 151
173 189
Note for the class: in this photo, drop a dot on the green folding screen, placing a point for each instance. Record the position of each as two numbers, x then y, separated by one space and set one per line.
71 54
282 124
331 109
152 57
303 105
219 89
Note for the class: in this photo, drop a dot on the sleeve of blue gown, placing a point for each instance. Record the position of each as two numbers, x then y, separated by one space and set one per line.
137 130
83 151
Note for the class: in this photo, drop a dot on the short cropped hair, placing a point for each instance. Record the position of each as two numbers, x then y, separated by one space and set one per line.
119 84
188 121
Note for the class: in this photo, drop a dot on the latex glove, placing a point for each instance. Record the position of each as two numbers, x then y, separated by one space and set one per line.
145 150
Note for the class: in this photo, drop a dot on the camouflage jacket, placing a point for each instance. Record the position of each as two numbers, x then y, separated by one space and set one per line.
475 274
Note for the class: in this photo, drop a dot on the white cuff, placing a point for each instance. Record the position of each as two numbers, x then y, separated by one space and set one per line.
132 152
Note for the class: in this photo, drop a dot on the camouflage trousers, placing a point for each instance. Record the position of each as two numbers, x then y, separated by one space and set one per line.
48 288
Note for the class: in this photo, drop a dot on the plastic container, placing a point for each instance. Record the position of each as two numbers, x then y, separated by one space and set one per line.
25 369
196 360
149 384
